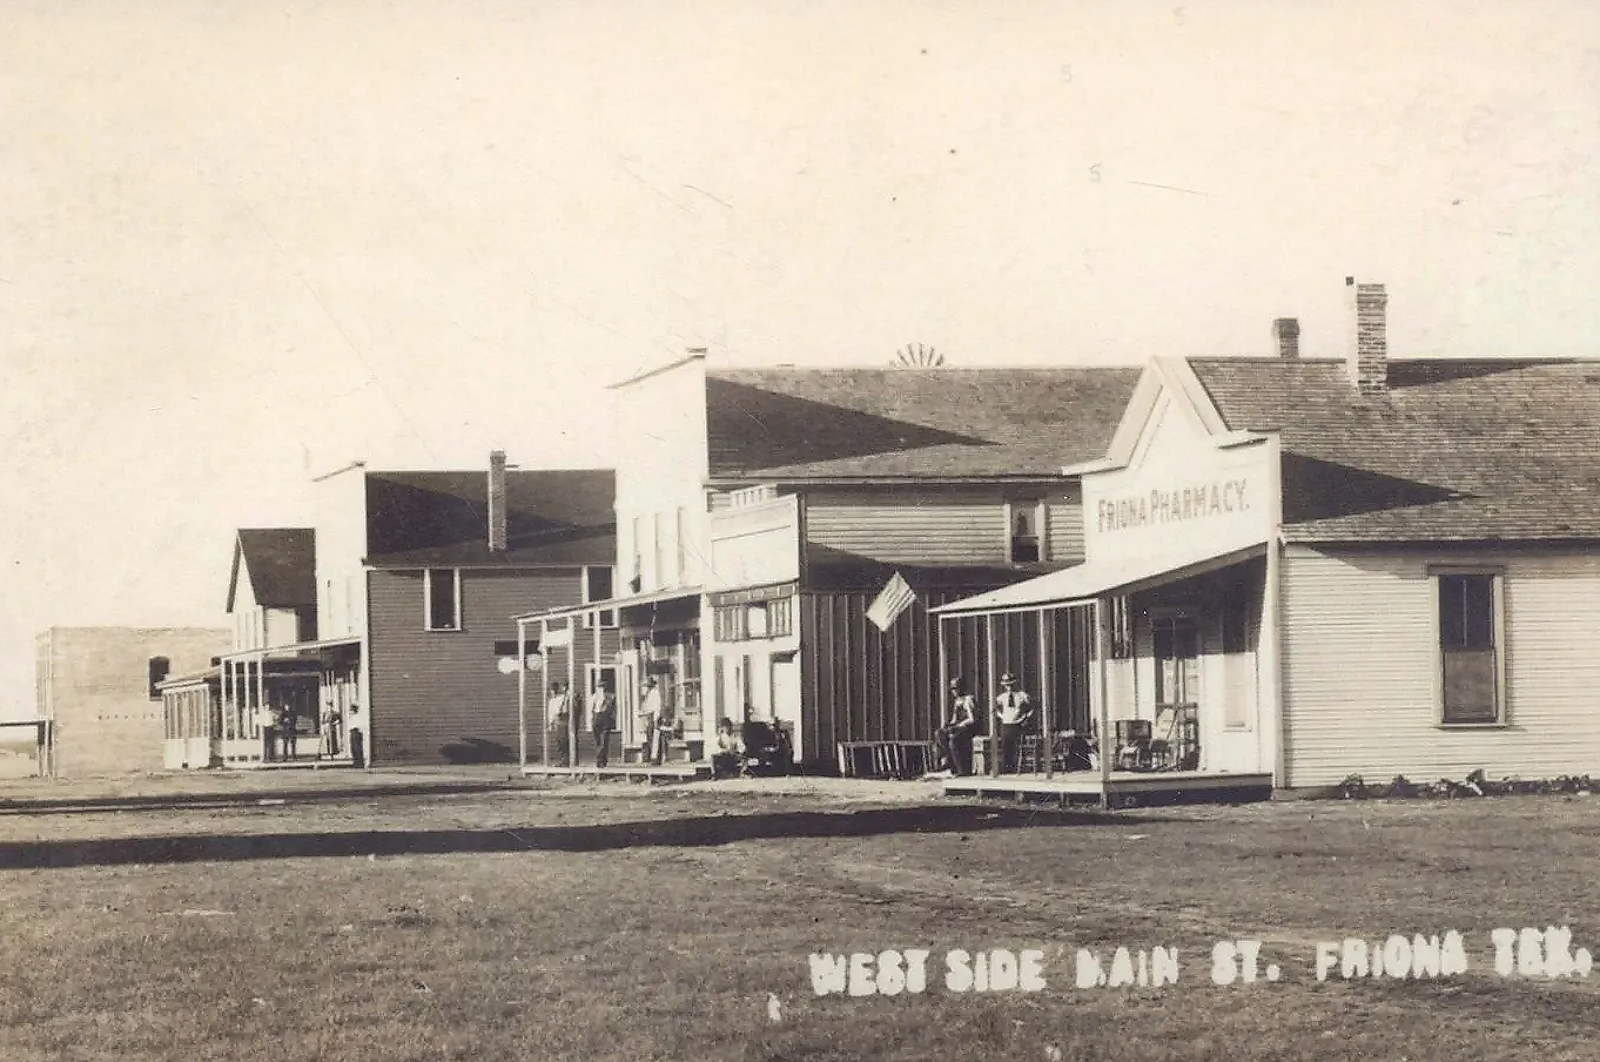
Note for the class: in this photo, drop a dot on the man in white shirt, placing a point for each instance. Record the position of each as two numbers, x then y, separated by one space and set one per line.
1014 710
648 718
558 716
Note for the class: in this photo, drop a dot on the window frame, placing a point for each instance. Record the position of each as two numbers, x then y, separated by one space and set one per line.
157 670
427 601
1497 629
1041 509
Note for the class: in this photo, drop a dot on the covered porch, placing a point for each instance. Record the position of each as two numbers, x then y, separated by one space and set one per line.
288 706
615 645
1144 681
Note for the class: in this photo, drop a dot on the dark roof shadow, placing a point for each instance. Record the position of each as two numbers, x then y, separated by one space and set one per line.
697 832
1314 489
1420 372
749 428
836 569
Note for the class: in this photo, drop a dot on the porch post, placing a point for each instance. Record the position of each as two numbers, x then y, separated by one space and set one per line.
522 694
1107 739
572 704
994 729
944 674
544 686
1047 705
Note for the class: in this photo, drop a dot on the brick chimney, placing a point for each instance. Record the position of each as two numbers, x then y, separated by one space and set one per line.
1286 334
1369 361
497 501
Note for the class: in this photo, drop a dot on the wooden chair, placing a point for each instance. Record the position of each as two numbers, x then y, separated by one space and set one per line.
1133 744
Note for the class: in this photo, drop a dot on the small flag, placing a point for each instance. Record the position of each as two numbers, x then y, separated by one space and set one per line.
895 599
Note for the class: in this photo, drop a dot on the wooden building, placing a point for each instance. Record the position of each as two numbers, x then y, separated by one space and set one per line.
762 511
427 583
1300 570
386 631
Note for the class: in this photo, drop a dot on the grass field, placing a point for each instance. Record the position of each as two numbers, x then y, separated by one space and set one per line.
656 924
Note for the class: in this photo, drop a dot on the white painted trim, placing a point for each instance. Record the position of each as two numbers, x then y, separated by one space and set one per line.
1497 572
427 601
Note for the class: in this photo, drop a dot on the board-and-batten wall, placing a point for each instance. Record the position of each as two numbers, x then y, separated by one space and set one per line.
858 683
929 527
439 696
1359 634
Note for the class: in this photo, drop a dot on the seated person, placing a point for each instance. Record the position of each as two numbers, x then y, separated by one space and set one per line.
729 751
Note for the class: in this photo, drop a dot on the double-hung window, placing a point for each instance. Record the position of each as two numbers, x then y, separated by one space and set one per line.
1471 640
441 599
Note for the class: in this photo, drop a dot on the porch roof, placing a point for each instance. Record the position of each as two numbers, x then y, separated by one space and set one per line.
650 598
1093 579
293 649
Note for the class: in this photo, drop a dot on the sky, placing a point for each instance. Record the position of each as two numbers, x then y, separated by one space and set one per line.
243 244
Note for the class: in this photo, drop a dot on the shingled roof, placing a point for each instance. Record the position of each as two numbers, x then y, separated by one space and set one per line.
281 563
1457 450
441 519
851 424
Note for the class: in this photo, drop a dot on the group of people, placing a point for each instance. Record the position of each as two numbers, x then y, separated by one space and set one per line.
280 731
1013 713
654 725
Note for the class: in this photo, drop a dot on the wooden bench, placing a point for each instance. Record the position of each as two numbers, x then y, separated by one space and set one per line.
886 759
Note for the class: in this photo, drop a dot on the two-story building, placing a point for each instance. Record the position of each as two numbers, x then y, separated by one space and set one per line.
386 630
762 512
1304 569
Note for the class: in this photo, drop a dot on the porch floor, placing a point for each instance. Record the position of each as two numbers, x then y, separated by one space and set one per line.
671 772
300 763
1124 787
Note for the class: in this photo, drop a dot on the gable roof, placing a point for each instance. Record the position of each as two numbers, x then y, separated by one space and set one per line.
1458 450
863 423
281 564
441 519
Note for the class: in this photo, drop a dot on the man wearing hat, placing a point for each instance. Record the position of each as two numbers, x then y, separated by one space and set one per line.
1013 710
955 737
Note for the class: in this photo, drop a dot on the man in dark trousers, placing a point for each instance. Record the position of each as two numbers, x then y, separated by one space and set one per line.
955 737
1013 710
602 721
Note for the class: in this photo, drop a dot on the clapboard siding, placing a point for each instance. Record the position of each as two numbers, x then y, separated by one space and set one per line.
1359 665
926 527
438 697
1065 529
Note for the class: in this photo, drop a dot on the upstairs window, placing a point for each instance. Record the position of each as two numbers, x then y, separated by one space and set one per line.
441 599
1470 639
1026 520
160 668
597 586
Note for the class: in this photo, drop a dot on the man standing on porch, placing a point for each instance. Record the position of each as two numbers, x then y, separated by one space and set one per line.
649 718
602 720
558 713
1015 708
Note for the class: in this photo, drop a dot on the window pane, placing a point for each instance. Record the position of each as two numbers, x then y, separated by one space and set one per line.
1479 609
1452 611
1470 693
599 583
441 599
